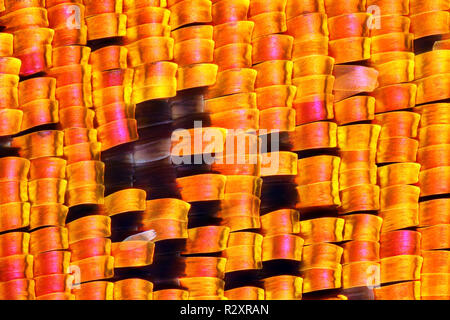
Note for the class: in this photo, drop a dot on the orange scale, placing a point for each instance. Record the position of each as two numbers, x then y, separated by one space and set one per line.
24 17
317 169
400 243
275 72
435 261
395 97
193 32
48 239
434 181
61 15
217 239
95 268
87 195
356 177
261 6
82 152
199 287
11 5
349 25
166 209
321 255
74 95
400 268
57 296
14 216
391 7
360 198
360 274
166 229
243 258
109 58
106 25
76 117
9 100
398 124
22 289
236 101
272 47
6 45
89 248
395 72
245 165
69 55
362 227
70 36
277 119
316 135
147 14
127 200
391 23
50 144
13 191
48 215
24 39
399 291
16 267
430 23
308 24
358 137
95 7
310 45
146 30
116 133
231 82
114 112
231 11
193 51
243 184
354 109
10 121
438 134
436 237
433 88
35 60
401 218
283 287
90 227
318 195
398 174
438 113
212 141
245 119
245 293
336 7
399 149
171 294
275 96
350 49
133 289
163 73
129 254
14 243
14 169
318 279
55 283
205 267
435 286
232 32
47 190
181 13
313 65
295 8
383 57
10 65
312 108
206 187
150 50
434 212
280 163
96 290
37 89
235 55
434 156
71 74
38 113
358 251
280 222
268 23
322 230
397 41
